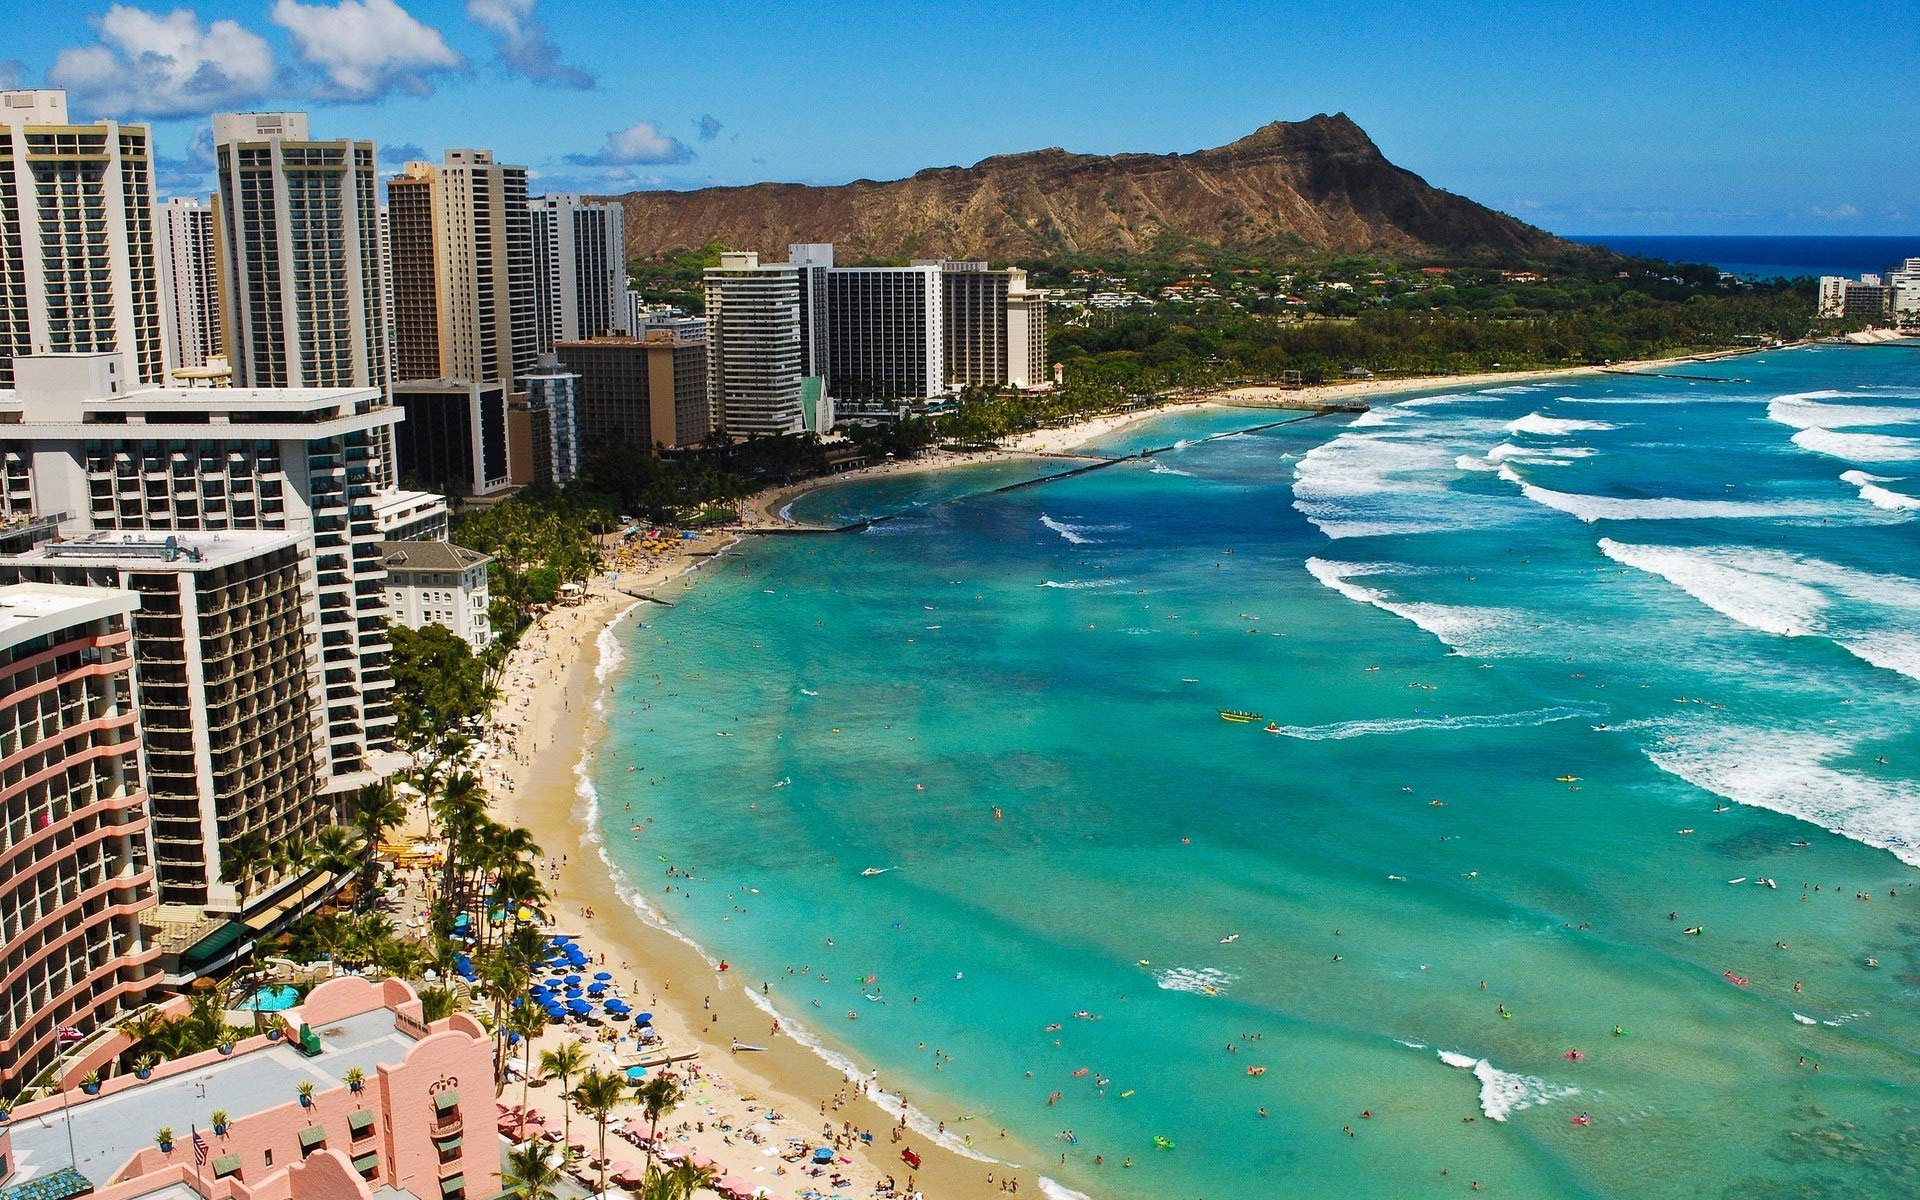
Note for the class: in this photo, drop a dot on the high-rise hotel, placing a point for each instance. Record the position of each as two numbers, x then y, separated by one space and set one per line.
298 223
460 244
77 261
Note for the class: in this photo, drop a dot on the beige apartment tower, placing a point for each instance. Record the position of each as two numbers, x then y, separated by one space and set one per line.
298 228
189 282
77 260
461 246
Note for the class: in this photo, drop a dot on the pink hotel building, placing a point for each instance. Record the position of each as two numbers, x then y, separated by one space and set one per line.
421 1124
75 872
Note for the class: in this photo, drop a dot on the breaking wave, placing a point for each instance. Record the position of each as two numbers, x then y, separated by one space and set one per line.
1616 508
1464 630
1541 425
1786 771
1352 729
1503 1093
1879 497
1201 981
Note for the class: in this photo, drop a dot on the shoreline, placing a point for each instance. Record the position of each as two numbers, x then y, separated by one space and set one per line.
768 508
550 793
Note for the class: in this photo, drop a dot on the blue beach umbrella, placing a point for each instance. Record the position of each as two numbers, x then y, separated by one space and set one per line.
636 1074
603 976
579 1008
645 1018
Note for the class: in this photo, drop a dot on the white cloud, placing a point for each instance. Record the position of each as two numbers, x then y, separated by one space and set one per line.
637 144
152 65
523 43
366 48
1839 212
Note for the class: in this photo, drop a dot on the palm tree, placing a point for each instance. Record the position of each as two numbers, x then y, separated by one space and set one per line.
598 1095
242 859
687 1179
531 1172
335 851
503 978
563 1062
528 1022
657 1096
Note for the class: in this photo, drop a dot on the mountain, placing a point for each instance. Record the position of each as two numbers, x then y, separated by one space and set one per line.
1287 188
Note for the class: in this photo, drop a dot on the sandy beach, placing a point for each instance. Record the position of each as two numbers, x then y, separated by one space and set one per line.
742 1106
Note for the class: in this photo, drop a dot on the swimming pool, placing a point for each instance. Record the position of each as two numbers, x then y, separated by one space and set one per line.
271 999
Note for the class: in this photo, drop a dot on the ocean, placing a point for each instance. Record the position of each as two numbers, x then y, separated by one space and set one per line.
1766 257
1578 861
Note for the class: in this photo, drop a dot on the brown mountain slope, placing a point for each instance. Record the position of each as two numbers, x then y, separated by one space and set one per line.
1318 184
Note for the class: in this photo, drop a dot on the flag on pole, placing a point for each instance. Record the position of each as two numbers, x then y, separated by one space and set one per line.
69 1034
199 1148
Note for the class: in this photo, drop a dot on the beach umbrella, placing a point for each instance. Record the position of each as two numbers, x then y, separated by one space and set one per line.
603 976
823 1154
597 989
636 1074
573 980
559 939
579 1008
644 1018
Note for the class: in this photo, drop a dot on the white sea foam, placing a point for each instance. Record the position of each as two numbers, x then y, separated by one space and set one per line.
1876 618
1803 410
1472 462
1371 483
1503 1093
1757 588
1201 981
1805 1020
1879 497
1373 418
1859 447
1465 630
1081 584
1352 729
1054 1190
1541 425
1786 771
1615 508
1515 389
1077 534
1158 465
608 645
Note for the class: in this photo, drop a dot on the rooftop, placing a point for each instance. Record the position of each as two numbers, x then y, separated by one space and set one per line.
108 1130
428 556
30 610
145 548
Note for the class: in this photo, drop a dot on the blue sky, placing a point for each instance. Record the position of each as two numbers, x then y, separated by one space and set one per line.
1709 117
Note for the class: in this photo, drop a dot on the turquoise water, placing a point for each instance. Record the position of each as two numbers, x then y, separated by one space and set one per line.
271 998
1698 599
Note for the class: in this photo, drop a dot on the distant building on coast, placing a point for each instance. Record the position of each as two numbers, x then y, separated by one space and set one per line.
995 327
886 333
755 361
650 390
77 826
78 266
1895 292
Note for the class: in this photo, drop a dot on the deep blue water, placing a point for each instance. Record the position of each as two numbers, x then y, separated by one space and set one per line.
1766 257
1558 672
